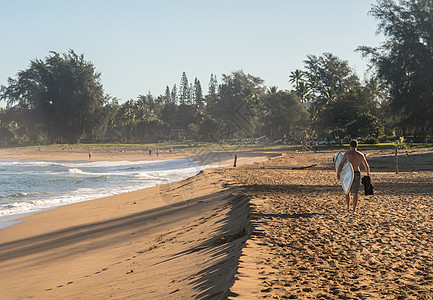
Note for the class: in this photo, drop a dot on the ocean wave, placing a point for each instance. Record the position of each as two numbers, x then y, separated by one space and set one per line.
75 171
146 175
26 163
22 195
80 195
19 195
29 186
105 164
96 173
16 195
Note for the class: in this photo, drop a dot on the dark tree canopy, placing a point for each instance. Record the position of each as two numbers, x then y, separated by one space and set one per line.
237 103
332 91
62 93
404 62
284 113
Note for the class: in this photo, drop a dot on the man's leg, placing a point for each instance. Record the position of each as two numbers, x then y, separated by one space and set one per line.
355 189
348 201
355 201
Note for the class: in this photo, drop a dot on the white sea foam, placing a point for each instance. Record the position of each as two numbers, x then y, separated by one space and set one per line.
30 186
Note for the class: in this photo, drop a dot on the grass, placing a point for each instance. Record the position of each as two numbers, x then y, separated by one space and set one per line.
225 146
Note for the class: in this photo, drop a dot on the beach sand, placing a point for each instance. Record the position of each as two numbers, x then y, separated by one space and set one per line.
306 246
130 153
273 227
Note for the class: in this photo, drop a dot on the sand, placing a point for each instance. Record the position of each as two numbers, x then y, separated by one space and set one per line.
131 153
264 229
306 246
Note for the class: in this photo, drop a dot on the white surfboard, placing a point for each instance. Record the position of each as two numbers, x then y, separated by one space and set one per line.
346 173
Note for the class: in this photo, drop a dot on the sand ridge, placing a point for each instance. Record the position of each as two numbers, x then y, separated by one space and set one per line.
129 246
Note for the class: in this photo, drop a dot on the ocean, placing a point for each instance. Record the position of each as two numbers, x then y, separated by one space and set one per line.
28 187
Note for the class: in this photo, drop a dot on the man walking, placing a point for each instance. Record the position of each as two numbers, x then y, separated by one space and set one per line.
355 158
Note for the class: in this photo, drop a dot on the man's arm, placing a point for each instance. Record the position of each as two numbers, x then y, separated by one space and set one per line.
366 166
341 165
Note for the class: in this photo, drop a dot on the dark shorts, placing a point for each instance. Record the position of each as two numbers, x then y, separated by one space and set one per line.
356 182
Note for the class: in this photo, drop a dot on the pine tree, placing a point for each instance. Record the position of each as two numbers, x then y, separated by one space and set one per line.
198 93
213 85
167 95
198 100
190 99
212 97
183 89
174 97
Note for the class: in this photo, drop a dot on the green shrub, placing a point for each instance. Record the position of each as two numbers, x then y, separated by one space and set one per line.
371 140
387 138
401 143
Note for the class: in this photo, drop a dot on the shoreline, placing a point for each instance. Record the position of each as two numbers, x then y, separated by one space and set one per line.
17 208
100 248
68 153
63 154
68 251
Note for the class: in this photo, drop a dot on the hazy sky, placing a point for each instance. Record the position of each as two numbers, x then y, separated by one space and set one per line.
142 46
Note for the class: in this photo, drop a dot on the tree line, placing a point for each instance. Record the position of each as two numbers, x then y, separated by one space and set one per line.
60 99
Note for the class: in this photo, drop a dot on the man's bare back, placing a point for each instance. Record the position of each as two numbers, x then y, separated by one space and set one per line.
356 158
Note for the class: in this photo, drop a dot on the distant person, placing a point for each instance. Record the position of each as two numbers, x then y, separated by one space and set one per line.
90 154
355 158
150 152
157 152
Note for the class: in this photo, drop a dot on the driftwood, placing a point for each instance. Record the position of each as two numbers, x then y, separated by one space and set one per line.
302 168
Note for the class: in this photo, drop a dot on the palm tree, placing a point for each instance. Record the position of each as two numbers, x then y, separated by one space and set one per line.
296 77
272 90
303 91
302 88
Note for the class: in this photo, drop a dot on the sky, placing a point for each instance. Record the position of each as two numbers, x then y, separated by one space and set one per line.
144 46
